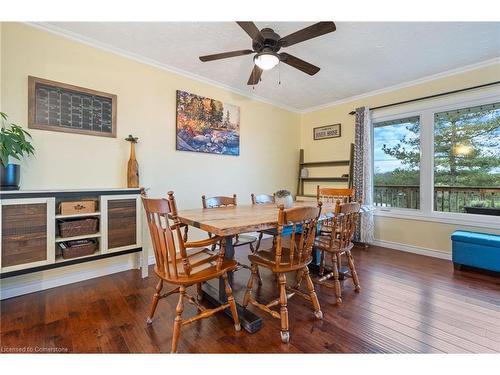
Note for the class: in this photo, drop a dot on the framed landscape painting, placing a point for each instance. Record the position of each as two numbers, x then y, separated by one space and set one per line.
207 125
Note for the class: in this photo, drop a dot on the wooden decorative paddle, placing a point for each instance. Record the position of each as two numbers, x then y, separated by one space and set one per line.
133 166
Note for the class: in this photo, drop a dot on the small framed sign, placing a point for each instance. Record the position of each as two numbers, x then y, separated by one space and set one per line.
328 131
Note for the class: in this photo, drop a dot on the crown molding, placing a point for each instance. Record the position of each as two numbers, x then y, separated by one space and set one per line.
399 86
144 60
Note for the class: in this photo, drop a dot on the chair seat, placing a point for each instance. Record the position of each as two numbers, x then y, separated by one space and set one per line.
323 243
243 239
267 258
203 262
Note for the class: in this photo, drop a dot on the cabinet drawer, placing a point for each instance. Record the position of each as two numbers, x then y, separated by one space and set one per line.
24 234
122 222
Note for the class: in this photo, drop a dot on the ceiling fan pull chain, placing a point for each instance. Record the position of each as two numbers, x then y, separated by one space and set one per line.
279 75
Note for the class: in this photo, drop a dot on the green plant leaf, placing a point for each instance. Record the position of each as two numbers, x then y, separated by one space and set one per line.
14 142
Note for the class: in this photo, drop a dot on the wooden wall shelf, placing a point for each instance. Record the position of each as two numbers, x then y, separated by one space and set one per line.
327 163
332 163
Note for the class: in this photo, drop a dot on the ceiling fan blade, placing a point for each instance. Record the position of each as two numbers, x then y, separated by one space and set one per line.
225 55
251 30
310 32
298 63
255 76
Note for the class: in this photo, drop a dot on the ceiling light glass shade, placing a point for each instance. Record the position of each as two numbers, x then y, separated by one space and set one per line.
266 61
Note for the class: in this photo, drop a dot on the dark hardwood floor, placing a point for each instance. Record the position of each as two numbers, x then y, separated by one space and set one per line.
408 304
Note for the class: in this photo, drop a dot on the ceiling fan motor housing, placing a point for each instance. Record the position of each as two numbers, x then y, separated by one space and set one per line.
268 43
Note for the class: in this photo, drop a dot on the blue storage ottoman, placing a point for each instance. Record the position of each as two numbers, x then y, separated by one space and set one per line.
479 250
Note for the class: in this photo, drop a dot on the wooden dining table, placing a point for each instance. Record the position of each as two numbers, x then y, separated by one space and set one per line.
230 221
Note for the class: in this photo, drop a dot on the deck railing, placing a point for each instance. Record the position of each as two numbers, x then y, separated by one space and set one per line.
446 198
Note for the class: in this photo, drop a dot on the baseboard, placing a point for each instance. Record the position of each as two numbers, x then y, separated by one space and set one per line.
412 249
35 282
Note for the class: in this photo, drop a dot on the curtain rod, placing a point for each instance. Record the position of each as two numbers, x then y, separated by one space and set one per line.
430 96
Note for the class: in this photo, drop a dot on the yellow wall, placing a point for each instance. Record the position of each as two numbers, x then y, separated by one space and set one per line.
422 234
146 109
429 235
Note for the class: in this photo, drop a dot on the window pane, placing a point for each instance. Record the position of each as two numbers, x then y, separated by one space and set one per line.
467 159
396 151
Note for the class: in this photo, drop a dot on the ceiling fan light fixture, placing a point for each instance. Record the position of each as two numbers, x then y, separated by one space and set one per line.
266 60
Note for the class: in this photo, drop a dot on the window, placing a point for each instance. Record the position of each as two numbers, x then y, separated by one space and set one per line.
396 160
467 159
439 160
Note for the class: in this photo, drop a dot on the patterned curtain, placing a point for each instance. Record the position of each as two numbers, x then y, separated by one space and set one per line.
363 172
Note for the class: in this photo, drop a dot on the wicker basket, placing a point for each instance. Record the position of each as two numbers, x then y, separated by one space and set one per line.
79 227
75 249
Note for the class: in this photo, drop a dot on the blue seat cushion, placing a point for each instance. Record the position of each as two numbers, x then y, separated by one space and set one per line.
287 231
476 238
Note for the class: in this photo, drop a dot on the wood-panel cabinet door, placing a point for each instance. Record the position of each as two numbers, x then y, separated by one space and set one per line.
121 227
27 233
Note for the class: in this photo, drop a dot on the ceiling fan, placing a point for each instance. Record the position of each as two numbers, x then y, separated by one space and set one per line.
266 44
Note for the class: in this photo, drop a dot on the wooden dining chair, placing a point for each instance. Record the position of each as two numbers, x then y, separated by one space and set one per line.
291 253
184 264
338 242
239 239
331 195
263 199
221 201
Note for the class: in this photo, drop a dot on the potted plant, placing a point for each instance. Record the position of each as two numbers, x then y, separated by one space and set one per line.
14 143
482 207
283 197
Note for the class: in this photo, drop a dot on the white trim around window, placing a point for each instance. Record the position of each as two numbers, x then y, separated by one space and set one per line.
426 110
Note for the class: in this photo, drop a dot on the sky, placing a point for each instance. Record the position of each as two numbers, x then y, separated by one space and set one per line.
390 136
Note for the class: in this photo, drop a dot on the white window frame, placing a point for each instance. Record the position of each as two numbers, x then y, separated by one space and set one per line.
426 110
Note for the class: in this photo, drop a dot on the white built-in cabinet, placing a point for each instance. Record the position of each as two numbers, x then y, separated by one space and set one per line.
29 236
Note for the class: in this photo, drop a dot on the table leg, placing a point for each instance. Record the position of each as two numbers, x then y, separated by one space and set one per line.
229 254
249 321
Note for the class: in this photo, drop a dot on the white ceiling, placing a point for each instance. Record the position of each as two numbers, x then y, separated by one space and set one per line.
359 57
